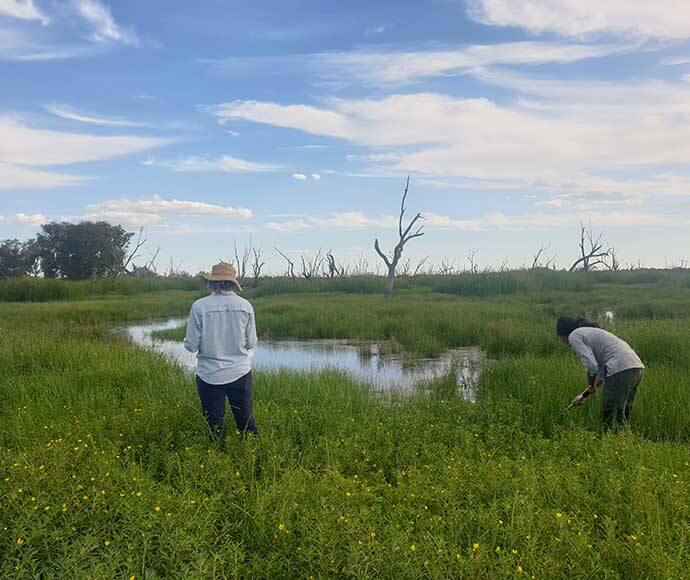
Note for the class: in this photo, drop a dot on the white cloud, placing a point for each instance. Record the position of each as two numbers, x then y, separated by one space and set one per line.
21 144
664 19
154 210
303 117
316 177
222 164
353 220
374 30
17 177
445 222
35 219
23 10
65 112
576 129
20 44
492 221
289 226
675 61
299 176
99 16
549 221
397 68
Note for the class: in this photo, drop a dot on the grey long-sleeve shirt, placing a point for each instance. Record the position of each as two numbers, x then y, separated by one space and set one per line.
601 353
222 331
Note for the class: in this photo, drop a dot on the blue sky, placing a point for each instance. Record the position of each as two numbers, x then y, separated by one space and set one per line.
296 123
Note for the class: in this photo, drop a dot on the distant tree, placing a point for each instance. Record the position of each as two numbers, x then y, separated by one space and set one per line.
17 258
84 250
592 252
405 234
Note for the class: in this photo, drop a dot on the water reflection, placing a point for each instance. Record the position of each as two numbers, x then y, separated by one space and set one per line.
365 362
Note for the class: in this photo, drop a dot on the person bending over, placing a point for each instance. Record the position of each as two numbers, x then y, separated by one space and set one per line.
608 360
221 329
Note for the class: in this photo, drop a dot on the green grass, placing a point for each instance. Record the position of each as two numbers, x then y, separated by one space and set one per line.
340 483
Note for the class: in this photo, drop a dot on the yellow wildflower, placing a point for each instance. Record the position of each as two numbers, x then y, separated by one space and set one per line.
413 548
475 547
20 541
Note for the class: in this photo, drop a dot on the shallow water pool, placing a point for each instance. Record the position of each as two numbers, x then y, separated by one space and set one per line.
365 363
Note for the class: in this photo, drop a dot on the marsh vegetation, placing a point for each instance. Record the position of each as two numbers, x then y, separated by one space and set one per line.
106 470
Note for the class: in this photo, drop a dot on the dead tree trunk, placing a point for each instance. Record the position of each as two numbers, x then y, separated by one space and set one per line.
290 264
592 253
242 259
405 235
333 269
257 265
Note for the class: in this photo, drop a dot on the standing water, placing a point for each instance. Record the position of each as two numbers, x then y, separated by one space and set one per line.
363 363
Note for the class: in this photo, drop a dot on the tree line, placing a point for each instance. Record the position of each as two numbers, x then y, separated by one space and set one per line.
92 250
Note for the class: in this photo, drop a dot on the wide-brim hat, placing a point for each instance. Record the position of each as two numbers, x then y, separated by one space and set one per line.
223 272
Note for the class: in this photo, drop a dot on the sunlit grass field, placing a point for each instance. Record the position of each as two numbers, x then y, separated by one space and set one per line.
107 473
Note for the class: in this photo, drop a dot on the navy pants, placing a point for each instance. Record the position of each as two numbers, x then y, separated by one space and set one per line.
239 394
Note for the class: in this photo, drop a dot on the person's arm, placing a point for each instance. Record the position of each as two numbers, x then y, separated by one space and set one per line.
250 332
589 361
192 339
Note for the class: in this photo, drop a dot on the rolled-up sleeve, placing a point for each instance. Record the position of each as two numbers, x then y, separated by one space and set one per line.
192 339
250 332
585 354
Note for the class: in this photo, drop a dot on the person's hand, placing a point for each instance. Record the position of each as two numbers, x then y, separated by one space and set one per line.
577 401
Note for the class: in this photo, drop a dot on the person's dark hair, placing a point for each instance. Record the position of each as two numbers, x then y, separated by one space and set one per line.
565 325
221 286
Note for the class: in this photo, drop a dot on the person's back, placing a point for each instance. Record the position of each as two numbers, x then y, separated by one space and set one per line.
222 331
611 355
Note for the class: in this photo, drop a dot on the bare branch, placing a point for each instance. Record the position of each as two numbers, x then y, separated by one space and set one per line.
291 265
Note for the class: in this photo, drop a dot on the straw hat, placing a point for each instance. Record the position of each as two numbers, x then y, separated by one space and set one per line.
223 272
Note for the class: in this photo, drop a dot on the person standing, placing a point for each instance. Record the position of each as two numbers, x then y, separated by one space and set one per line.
608 360
222 331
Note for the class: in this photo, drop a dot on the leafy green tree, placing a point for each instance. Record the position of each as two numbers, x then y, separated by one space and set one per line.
83 250
17 258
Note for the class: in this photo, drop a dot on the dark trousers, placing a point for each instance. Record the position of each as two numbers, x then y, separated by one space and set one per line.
618 396
239 394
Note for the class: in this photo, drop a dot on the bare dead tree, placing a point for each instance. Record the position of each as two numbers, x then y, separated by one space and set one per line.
405 268
242 259
405 235
592 252
613 262
333 269
361 266
311 267
631 266
447 267
172 269
472 259
504 266
419 268
257 265
133 253
290 264
153 258
537 261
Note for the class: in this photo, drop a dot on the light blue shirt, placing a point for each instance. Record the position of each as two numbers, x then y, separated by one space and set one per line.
222 331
